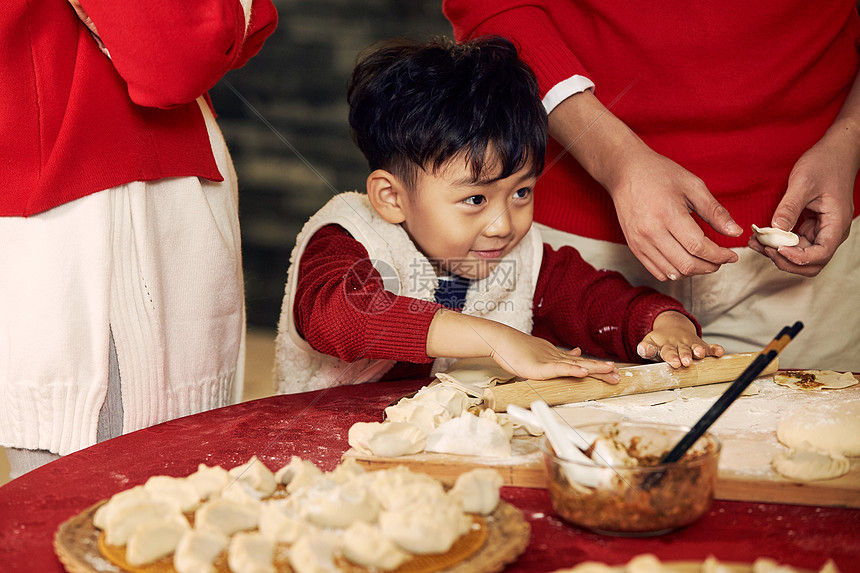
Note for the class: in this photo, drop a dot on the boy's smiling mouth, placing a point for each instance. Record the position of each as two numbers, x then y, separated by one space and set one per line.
489 254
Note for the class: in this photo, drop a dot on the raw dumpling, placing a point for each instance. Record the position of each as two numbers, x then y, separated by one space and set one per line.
477 491
388 440
470 435
197 550
425 528
250 553
774 237
426 415
226 516
328 504
257 475
297 474
365 545
155 539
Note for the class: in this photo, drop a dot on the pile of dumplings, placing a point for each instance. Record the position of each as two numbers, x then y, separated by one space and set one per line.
374 519
438 419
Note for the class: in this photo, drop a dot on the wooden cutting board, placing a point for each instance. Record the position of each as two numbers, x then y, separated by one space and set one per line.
745 472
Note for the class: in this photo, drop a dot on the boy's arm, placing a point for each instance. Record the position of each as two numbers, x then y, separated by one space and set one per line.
598 311
342 309
457 335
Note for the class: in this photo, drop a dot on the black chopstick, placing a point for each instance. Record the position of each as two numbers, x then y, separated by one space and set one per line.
759 363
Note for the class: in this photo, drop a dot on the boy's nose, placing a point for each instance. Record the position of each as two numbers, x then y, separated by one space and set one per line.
499 225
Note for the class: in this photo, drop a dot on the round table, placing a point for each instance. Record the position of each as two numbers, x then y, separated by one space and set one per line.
315 425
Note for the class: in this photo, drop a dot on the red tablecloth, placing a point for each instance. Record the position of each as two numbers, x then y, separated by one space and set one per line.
315 425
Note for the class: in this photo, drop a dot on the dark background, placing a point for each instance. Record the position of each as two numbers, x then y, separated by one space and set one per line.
293 150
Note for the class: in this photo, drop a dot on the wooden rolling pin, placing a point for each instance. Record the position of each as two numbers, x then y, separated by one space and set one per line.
634 380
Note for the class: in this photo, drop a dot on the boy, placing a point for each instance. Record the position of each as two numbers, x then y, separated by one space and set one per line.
439 258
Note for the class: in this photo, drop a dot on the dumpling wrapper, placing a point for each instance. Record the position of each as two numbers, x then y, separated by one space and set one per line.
476 372
807 464
815 379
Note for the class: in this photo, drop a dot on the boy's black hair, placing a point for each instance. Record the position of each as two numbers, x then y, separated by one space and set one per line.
418 105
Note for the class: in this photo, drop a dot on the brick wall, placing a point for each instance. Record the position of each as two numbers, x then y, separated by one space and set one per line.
284 117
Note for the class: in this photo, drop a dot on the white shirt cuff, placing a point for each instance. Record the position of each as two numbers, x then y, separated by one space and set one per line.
564 89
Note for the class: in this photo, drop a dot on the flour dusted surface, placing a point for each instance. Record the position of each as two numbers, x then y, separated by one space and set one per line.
747 428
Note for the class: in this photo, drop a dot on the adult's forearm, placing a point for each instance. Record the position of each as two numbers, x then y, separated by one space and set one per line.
845 130
603 144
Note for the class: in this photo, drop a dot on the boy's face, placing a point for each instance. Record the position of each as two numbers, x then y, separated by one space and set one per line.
465 228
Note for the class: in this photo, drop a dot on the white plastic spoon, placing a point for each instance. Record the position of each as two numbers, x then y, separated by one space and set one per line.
582 439
576 473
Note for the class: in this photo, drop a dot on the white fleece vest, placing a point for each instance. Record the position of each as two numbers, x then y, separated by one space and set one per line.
505 296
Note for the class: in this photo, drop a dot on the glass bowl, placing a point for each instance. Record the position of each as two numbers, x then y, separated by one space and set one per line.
634 500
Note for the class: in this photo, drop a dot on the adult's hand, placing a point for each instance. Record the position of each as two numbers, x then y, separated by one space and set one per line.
654 197
821 188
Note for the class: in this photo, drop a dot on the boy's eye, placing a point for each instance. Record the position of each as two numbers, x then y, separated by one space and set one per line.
522 193
475 200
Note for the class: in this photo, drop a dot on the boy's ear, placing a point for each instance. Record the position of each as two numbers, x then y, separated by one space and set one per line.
386 195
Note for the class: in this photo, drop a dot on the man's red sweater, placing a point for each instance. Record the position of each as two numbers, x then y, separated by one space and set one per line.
74 122
341 308
734 91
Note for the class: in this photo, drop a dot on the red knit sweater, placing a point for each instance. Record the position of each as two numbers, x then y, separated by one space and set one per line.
734 91
75 122
341 308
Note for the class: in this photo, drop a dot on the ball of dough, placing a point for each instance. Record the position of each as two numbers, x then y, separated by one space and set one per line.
833 428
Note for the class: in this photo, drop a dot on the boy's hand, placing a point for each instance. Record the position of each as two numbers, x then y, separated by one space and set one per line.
457 335
534 358
674 340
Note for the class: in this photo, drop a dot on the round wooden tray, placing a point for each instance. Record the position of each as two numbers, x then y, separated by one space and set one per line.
76 544
676 567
